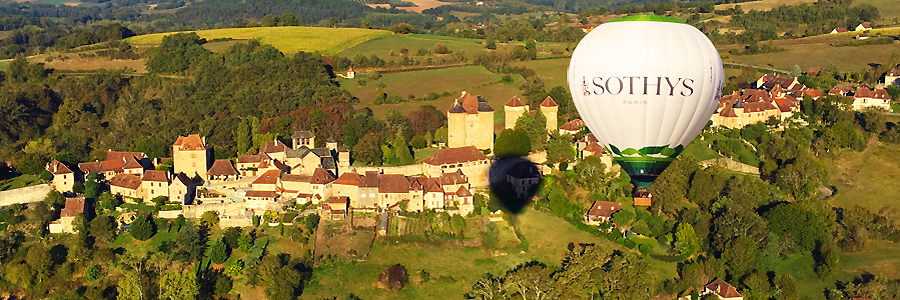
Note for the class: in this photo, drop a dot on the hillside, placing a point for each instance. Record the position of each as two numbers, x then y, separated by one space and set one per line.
290 39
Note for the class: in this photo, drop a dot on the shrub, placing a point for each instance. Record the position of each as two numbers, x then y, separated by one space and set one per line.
92 273
235 268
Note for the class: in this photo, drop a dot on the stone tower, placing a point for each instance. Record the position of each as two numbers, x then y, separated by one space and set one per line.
343 160
191 155
513 109
550 109
470 122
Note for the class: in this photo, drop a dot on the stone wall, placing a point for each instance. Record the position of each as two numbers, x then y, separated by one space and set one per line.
731 165
408 170
236 222
27 194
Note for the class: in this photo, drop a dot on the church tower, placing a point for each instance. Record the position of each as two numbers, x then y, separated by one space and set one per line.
513 109
550 109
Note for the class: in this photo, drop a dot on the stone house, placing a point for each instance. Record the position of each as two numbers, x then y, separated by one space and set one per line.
191 155
320 185
601 212
126 185
722 289
864 98
267 181
154 184
72 208
63 177
222 170
182 189
468 159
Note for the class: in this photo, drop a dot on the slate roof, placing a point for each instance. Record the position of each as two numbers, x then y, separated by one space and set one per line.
524 169
182 178
468 103
455 155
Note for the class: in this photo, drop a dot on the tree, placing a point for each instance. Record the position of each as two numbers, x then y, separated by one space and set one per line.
512 143
368 150
441 48
623 219
591 173
217 252
686 241
103 228
39 261
159 201
491 44
209 219
738 222
192 242
286 286
401 151
175 286
402 28
91 186
786 287
142 228
394 278
559 148
458 224
245 243
741 256
796 224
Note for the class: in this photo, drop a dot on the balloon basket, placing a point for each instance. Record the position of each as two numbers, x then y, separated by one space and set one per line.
642 197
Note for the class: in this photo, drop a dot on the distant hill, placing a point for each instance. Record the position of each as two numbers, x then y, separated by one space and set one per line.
288 39
227 12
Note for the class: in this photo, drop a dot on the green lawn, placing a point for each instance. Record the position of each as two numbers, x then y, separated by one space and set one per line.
821 55
700 150
867 178
551 71
385 45
139 206
453 268
801 267
880 259
19 181
422 154
473 79
289 39
888 9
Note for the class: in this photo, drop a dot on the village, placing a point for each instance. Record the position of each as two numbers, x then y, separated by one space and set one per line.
324 181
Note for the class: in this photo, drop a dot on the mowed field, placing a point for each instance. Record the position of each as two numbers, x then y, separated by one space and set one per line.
764 5
889 9
385 46
453 268
821 55
472 79
289 39
867 178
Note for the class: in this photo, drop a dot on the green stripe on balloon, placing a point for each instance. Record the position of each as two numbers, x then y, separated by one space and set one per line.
648 18
644 170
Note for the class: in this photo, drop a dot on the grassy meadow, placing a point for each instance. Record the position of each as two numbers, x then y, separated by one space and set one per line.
868 178
289 39
453 268
472 79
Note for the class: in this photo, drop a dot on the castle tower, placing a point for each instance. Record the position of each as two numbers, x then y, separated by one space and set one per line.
550 109
470 122
303 138
343 160
191 156
513 109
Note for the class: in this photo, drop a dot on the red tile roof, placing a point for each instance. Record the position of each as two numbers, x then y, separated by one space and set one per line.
469 103
723 289
321 176
128 181
222 167
295 178
348 178
814 93
370 180
841 30
393 183
548 102
90 167
57 168
603 209
269 177
595 148
463 192
457 177
514 102
569 127
339 199
191 142
121 155
251 158
154 175
132 163
73 207
273 147
455 156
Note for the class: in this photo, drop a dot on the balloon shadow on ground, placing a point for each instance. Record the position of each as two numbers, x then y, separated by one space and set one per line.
514 181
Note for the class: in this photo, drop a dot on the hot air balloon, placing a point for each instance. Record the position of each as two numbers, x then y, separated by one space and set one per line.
645 86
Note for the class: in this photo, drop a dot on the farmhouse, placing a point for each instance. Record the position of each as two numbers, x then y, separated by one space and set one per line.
154 184
72 208
863 27
222 170
722 289
892 76
601 212
63 177
182 188
839 30
126 185
864 98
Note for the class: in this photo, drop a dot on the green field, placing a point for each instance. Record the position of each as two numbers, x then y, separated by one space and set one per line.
888 9
472 79
383 47
453 268
551 71
19 181
287 39
867 178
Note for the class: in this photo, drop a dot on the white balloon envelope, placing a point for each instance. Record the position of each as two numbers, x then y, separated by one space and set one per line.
645 86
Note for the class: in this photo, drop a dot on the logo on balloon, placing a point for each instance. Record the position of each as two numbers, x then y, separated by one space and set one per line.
640 85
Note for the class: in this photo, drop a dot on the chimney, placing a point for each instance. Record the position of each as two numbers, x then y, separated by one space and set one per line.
203 139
